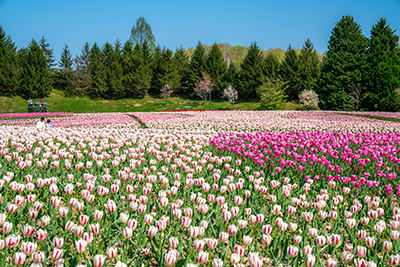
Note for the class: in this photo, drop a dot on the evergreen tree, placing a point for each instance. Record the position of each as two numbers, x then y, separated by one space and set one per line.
113 71
166 71
48 53
251 75
128 69
67 75
136 77
36 80
382 70
194 74
82 73
310 66
271 66
343 65
216 68
182 62
98 83
230 75
290 72
9 70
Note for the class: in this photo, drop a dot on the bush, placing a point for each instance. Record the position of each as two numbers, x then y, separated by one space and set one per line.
273 94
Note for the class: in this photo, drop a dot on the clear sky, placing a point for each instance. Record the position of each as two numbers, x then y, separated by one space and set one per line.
174 22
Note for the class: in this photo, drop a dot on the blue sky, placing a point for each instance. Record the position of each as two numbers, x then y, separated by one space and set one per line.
175 22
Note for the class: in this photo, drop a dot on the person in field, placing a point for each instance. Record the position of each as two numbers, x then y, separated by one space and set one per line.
49 124
40 124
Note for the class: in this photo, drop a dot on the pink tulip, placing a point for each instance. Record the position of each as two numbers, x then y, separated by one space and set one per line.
80 245
99 260
56 254
198 245
370 241
111 252
235 258
58 242
223 237
212 243
310 260
171 257
202 258
152 231
38 257
41 235
19 259
292 251
387 245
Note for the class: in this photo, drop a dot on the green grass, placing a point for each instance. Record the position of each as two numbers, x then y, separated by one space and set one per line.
372 117
58 102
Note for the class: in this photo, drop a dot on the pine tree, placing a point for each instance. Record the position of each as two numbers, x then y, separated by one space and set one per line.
128 69
9 70
67 75
98 84
251 75
230 75
82 72
310 66
271 66
290 72
182 62
382 70
48 53
113 71
166 71
343 65
194 74
36 80
136 81
216 68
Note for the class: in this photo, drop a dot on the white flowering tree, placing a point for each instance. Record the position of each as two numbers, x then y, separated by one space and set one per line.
166 92
309 99
203 87
231 94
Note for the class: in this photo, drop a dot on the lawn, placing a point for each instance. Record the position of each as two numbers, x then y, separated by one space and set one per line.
58 102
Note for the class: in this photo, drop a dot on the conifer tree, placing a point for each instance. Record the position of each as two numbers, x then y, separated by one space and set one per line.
182 62
251 75
98 84
271 66
36 80
113 71
9 71
343 65
310 66
382 70
67 75
196 67
48 53
128 69
290 72
166 71
82 73
216 68
230 75
136 81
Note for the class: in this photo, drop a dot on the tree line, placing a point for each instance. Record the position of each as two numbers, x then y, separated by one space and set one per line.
355 73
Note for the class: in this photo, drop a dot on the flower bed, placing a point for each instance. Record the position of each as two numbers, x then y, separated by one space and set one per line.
217 188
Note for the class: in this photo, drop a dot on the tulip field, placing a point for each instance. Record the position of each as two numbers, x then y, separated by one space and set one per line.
218 188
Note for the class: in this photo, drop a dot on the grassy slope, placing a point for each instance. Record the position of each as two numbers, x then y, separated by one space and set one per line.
57 102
